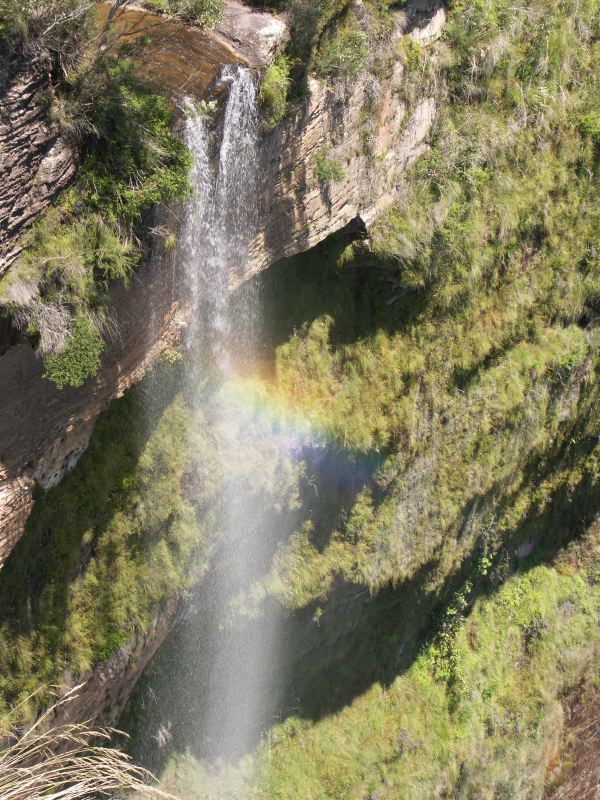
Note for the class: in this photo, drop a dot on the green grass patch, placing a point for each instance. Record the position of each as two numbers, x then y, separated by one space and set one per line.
514 656
327 169
105 551
79 359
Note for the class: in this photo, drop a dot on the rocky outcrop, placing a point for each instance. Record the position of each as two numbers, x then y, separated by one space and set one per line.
36 162
255 36
184 60
44 431
104 690
374 132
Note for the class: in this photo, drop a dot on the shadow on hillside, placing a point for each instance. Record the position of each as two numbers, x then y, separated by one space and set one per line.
296 291
332 651
67 522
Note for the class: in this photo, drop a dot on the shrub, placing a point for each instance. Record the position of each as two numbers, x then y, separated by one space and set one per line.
204 13
59 25
274 90
589 124
343 55
328 170
134 161
80 357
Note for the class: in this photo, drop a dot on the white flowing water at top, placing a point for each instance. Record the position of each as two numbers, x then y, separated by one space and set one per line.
238 661
222 216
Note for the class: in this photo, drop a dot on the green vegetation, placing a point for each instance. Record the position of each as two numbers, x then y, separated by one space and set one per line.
336 39
475 713
274 90
109 548
204 13
79 359
328 169
62 23
134 162
485 728
345 53
131 161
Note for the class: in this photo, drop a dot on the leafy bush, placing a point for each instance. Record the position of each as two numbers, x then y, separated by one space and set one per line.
328 169
344 54
134 161
79 359
274 90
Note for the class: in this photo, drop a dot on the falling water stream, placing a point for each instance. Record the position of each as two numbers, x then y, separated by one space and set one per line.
234 666
237 664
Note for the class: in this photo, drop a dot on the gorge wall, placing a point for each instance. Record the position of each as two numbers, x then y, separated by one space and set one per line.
36 160
43 431
297 211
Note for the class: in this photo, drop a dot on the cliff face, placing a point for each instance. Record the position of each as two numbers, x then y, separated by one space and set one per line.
36 162
297 211
44 431
104 690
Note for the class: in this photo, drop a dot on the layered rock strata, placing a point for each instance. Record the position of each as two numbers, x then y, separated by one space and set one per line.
44 431
36 162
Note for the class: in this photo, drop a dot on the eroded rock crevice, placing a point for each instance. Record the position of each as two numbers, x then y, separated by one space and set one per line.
36 160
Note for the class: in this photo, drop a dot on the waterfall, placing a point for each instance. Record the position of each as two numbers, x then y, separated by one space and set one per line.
237 665
222 216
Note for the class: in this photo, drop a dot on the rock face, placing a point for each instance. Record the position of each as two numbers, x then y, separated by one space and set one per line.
373 132
35 161
44 431
184 60
103 691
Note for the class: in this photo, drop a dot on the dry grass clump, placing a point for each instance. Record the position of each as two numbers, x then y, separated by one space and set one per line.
66 762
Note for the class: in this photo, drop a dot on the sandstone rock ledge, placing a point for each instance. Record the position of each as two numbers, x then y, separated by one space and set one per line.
296 211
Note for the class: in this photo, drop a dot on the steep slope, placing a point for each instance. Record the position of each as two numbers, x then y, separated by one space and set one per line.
434 365
45 437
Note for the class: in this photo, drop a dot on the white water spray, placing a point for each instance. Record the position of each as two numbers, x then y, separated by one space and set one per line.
238 661
222 216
